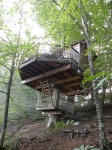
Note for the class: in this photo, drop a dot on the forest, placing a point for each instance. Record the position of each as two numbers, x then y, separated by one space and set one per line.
38 28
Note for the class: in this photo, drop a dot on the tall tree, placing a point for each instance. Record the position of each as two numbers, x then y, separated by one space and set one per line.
15 43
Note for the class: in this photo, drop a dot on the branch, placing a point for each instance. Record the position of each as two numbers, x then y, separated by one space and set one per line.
73 19
5 66
84 23
81 12
3 92
3 39
19 32
19 35
3 77
77 23
56 3
6 35
3 82
57 15
19 128
23 54
83 8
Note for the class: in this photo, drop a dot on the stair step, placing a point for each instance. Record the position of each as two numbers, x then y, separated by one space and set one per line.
46 87
47 92
44 82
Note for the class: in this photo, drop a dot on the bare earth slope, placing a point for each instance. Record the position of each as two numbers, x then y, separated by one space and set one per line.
34 136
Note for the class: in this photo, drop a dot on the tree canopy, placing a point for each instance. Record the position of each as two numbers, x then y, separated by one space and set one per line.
63 21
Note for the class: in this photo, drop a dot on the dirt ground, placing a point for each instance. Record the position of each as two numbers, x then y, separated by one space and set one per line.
34 136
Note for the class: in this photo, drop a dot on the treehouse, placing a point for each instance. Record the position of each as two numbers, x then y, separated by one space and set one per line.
57 76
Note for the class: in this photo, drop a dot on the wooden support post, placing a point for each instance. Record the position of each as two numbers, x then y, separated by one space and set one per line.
53 117
52 120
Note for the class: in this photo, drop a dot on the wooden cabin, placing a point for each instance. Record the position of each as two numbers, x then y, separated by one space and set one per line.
57 76
57 101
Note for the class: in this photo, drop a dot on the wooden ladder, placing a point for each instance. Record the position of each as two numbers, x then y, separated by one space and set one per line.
46 91
45 88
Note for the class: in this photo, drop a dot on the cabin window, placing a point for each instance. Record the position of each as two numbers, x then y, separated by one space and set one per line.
77 47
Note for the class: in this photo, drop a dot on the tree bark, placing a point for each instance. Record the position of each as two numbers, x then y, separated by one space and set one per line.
103 95
7 105
102 133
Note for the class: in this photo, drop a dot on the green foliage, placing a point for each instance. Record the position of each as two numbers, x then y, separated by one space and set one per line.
87 147
59 125
97 76
15 41
63 23
100 78
23 102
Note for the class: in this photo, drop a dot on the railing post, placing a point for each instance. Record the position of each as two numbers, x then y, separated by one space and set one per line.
79 60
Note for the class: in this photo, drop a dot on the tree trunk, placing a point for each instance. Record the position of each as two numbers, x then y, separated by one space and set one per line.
102 133
103 95
7 105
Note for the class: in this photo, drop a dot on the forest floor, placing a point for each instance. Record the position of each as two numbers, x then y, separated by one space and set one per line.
34 136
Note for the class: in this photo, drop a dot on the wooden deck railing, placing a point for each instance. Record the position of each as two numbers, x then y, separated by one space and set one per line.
45 104
80 59
51 103
66 105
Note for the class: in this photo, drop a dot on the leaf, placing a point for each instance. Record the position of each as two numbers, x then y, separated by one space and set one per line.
82 147
76 149
101 82
76 123
96 76
87 146
69 122
90 78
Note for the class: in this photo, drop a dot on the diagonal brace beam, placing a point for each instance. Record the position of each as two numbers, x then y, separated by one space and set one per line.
46 74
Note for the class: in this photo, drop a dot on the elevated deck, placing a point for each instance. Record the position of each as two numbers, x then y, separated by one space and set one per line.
63 68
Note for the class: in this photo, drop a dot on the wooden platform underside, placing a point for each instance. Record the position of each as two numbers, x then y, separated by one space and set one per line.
63 73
